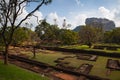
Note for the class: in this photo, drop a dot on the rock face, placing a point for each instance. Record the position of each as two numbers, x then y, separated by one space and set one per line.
100 22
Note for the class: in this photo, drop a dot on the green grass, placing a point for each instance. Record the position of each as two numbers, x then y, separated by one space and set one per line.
99 68
85 47
12 72
49 57
76 47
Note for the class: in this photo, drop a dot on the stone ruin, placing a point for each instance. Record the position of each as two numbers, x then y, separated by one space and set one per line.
87 57
113 64
84 68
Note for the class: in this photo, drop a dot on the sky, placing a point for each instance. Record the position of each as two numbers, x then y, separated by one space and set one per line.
75 11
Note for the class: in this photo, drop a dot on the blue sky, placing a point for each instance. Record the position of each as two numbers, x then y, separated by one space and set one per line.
76 11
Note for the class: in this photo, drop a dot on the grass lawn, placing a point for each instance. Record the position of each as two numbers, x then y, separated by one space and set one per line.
76 47
48 57
85 47
12 72
99 67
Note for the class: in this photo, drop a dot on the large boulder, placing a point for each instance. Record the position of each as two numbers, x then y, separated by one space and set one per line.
103 23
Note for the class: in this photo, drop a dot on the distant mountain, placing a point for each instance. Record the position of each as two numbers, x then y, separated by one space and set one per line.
100 22
77 29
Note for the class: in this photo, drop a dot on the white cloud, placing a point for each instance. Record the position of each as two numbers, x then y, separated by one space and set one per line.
78 19
31 20
113 14
104 10
34 20
74 20
106 13
54 15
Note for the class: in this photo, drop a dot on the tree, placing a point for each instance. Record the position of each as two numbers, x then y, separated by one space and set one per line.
112 36
89 35
116 35
108 37
46 31
20 35
10 10
68 37
34 40
41 28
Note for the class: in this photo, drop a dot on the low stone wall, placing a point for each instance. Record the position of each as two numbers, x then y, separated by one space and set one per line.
87 57
113 64
100 53
84 68
46 66
107 47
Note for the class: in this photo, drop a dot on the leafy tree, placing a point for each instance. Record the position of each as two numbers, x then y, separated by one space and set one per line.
68 37
10 10
112 36
20 35
41 28
46 31
116 35
108 37
89 35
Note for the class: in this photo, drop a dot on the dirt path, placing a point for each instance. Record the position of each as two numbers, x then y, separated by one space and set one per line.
65 76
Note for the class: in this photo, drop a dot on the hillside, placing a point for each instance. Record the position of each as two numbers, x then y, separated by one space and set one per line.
103 23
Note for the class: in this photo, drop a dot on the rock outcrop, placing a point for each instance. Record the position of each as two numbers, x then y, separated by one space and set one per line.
105 24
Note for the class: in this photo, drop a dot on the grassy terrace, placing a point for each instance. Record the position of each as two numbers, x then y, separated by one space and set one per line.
99 67
48 57
12 72
85 47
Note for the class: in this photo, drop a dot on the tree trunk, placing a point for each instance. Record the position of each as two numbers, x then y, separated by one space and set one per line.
89 44
34 54
6 55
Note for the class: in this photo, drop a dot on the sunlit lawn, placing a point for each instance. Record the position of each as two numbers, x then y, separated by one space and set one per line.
49 57
12 72
85 47
99 67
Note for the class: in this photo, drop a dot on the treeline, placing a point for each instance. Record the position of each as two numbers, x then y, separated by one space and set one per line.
44 34
47 34
90 35
21 36
52 34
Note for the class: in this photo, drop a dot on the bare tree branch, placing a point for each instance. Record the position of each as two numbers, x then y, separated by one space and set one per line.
36 18
31 13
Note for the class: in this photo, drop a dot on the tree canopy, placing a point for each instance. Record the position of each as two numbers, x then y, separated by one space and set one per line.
89 35
112 36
